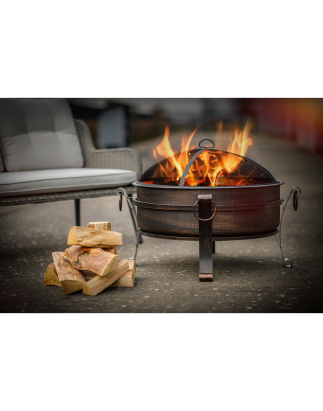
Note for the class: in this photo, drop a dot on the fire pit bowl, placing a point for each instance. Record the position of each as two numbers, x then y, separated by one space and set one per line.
166 206
233 198
239 211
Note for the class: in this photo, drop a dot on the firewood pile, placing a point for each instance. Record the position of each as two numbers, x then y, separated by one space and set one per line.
91 263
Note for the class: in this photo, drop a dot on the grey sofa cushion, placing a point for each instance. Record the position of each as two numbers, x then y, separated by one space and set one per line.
37 134
62 180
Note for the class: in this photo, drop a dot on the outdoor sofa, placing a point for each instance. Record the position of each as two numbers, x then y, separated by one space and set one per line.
46 155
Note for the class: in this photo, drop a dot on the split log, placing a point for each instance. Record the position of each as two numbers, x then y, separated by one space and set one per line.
88 275
70 278
132 265
100 225
108 250
96 260
98 283
88 237
128 279
51 277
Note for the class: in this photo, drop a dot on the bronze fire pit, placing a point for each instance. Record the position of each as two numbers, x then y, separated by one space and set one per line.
244 204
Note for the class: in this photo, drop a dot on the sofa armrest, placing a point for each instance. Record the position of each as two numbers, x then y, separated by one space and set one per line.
119 158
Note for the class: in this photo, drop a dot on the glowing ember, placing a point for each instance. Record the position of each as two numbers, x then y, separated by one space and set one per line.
210 168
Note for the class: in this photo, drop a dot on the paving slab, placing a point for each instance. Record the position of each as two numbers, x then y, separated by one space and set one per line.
248 275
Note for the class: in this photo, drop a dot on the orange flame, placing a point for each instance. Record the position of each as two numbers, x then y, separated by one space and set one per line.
208 167
165 150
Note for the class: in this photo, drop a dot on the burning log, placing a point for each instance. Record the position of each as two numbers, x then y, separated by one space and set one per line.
98 283
70 279
96 260
100 225
88 237
51 277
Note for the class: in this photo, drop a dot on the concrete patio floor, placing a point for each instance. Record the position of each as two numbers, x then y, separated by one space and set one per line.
248 275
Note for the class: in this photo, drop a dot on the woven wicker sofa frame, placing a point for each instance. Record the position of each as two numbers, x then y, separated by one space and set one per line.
121 158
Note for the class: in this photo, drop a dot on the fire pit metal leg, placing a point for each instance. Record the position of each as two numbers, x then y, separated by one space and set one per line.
296 191
77 204
205 241
132 217
120 191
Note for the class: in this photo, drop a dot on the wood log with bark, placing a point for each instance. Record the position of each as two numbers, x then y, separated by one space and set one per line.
100 225
88 237
96 260
51 277
70 278
98 283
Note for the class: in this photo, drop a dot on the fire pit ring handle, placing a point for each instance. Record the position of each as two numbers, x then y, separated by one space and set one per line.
206 139
204 219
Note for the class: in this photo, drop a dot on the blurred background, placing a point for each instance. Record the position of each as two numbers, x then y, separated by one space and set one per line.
121 122
140 123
